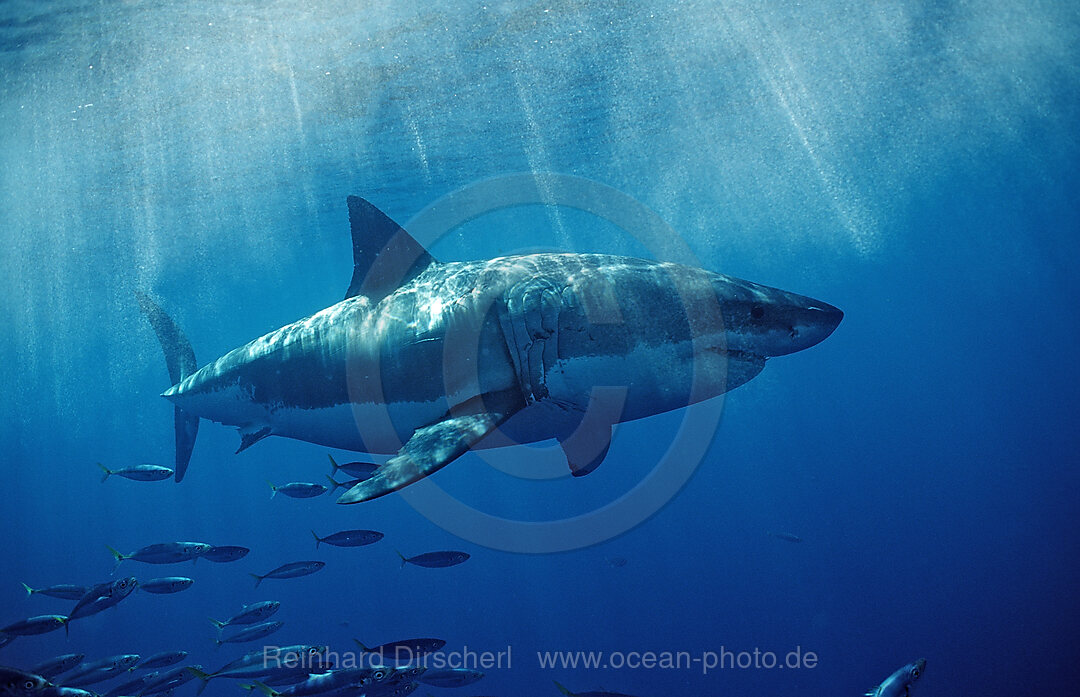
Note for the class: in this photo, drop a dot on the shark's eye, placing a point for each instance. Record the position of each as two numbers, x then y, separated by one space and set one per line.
757 311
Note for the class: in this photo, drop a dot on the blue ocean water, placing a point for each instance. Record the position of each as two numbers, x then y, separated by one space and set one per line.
913 164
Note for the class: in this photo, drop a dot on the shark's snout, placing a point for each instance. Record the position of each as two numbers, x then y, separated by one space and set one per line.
797 324
820 320
768 322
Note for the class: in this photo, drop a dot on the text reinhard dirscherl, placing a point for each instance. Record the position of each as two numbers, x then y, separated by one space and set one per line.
465 658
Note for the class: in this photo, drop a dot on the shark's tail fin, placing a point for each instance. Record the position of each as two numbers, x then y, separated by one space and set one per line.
180 359
108 472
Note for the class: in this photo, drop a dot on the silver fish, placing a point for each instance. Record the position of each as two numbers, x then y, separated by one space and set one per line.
349 538
786 536
162 660
63 591
403 651
435 560
168 584
899 683
138 473
249 614
450 677
20 683
297 490
255 631
101 670
55 666
358 470
292 570
35 625
103 596
164 553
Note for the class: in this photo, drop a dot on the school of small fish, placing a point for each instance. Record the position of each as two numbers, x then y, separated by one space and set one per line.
389 668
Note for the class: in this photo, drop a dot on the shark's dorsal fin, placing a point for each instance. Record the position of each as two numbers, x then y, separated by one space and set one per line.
384 255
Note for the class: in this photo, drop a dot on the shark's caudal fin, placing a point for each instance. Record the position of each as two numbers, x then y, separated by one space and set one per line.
384 254
180 360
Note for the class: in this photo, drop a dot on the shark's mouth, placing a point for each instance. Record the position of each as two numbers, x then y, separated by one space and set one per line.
742 366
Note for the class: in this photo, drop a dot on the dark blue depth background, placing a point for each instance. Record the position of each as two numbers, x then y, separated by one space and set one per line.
915 165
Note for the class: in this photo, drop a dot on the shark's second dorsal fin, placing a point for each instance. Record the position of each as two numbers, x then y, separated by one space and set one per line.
384 254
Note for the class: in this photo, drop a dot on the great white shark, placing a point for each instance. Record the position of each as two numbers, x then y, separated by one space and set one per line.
424 359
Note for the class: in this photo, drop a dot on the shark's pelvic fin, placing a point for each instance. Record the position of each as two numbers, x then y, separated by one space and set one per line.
433 447
180 360
252 434
384 254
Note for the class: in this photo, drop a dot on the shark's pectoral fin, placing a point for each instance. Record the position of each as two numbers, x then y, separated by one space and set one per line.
429 449
586 453
252 434
587 446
